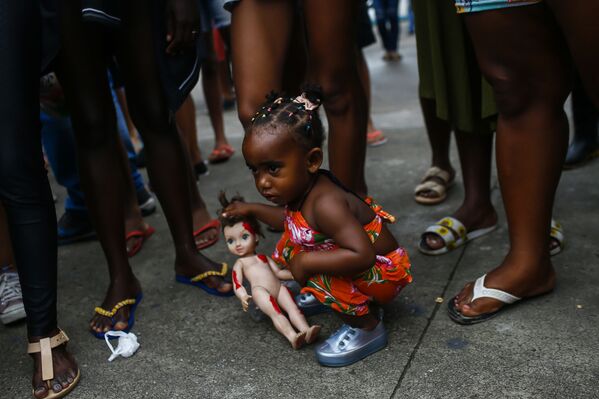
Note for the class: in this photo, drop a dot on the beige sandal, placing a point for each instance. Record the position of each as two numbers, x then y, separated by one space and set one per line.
430 182
45 347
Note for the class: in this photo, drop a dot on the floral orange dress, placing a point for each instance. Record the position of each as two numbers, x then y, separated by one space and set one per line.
349 295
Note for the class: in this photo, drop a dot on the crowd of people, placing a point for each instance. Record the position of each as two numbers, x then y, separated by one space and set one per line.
110 93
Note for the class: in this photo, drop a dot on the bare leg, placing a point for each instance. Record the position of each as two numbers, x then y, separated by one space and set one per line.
532 139
186 122
331 31
259 48
270 307
297 318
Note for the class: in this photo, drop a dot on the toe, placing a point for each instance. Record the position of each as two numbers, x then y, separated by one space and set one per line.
56 385
225 287
40 392
433 241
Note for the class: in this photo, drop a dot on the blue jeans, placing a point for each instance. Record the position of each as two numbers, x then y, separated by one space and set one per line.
58 140
387 13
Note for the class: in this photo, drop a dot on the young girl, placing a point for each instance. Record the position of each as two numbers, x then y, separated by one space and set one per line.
335 243
242 234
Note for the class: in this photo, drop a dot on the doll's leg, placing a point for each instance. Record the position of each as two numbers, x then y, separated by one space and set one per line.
296 317
269 305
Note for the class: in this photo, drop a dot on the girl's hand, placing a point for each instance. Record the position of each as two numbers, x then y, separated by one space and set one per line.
237 209
245 302
182 25
297 269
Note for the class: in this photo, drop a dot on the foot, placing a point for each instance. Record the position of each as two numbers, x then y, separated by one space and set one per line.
312 333
221 153
429 194
299 340
472 217
65 369
135 224
200 218
118 291
198 264
513 279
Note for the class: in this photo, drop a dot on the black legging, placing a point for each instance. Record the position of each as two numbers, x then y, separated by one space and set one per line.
24 189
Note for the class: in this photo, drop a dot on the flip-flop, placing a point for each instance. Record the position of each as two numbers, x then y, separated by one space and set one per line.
213 224
197 281
143 234
453 233
429 183
132 302
44 348
376 138
221 154
480 291
557 233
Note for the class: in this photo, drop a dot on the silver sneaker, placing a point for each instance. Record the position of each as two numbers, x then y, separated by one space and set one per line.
11 299
309 305
349 345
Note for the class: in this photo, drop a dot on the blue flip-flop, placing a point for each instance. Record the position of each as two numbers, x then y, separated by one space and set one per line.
130 321
197 281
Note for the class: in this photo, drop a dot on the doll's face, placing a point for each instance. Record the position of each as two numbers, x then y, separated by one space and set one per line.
239 240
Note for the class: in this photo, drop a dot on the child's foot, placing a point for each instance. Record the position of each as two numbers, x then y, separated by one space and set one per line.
64 365
117 292
312 333
198 264
299 340
349 345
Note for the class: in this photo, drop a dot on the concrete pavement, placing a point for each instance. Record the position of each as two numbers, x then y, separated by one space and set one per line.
197 346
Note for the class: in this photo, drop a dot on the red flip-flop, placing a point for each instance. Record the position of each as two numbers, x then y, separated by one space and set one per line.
221 153
213 224
144 235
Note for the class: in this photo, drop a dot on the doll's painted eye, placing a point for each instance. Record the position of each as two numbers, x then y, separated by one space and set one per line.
229 241
245 236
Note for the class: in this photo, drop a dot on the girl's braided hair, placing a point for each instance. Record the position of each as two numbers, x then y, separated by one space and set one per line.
251 224
299 114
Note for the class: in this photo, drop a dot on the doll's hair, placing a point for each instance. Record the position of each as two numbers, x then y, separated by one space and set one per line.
299 114
252 224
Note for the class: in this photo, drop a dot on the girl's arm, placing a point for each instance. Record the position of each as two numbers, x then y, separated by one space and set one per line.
238 288
282 274
274 216
355 253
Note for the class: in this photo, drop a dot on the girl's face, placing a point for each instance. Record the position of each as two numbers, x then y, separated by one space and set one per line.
282 168
239 240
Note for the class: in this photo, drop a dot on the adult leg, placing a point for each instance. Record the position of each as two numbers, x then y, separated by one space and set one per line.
381 23
186 122
165 153
331 31
392 13
528 69
259 48
82 72
24 189
374 136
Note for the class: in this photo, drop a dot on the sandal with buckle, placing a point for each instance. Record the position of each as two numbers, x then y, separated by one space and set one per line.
133 302
44 348
453 233
197 281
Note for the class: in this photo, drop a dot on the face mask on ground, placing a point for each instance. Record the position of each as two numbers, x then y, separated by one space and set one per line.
126 347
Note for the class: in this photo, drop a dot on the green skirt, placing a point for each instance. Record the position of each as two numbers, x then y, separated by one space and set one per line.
448 70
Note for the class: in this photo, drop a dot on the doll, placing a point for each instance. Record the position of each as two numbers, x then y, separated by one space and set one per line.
241 236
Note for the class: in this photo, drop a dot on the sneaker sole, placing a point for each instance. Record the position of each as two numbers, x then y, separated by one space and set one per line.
341 361
148 207
15 315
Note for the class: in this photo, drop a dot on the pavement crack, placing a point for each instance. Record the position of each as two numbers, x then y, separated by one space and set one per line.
428 323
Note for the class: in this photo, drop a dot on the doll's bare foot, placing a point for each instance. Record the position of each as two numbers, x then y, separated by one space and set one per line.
192 265
201 217
312 333
120 289
299 340
65 369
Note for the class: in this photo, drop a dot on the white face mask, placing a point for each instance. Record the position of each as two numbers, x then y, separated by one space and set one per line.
126 347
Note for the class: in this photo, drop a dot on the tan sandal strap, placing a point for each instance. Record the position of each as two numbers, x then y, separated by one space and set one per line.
58 339
431 185
437 172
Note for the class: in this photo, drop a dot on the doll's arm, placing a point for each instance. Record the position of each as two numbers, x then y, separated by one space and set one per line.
273 216
238 288
282 274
